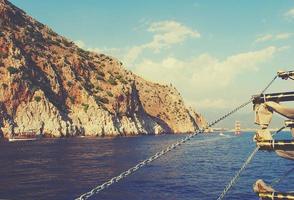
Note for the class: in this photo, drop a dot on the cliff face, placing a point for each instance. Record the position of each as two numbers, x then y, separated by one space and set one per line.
47 83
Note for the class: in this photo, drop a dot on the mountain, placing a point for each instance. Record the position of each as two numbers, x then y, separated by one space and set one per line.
49 84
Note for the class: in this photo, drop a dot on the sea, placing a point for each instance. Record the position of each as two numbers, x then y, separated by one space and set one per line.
65 168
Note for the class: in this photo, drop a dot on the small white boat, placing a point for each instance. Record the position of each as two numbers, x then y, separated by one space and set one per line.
221 134
29 135
21 139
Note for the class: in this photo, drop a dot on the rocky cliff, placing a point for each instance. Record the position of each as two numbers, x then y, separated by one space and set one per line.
49 84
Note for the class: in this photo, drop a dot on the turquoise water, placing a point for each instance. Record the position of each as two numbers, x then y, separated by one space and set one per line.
200 169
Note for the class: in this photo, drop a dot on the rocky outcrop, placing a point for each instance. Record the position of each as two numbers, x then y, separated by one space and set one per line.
49 84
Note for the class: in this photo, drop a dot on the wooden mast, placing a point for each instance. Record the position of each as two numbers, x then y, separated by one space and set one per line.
273 145
237 128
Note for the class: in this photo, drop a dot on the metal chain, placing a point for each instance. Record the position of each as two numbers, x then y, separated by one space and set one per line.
268 85
130 171
136 167
154 157
237 175
230 113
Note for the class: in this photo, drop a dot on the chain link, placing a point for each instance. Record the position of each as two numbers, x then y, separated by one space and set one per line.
268 85
155 156
136 167
123 175
237 175
230 113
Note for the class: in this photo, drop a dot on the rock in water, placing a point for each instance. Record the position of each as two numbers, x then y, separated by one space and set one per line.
48 83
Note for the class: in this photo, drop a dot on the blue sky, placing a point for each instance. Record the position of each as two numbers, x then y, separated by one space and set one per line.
216 53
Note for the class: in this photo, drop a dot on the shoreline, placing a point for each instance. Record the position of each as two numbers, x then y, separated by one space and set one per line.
118 136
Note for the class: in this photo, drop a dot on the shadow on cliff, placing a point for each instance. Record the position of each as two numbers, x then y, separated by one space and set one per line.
137 107
37 79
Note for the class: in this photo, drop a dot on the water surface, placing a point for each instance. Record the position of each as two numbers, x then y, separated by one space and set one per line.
200 169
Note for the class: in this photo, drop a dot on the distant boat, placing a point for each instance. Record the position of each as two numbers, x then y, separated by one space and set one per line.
221 134
29 135
21 139
237 128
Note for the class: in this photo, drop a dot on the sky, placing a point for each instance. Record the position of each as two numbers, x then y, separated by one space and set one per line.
216 53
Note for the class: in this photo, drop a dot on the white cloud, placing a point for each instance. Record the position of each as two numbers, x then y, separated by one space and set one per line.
289 13
80 43
217 103
273 37
166 34
284 48
283 36
204 70
203 73
112 51
133 54
264 38
96 49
